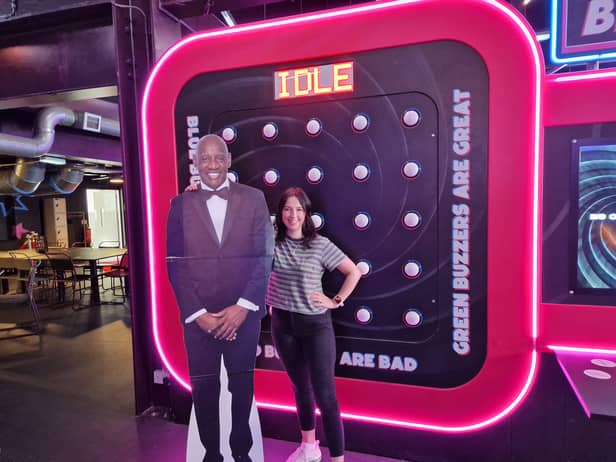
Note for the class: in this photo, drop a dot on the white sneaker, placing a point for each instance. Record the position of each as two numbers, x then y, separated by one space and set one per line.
307 452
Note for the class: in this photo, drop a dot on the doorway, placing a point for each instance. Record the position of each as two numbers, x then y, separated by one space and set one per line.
106 217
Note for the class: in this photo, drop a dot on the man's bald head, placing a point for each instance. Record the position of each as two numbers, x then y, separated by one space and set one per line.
212 139
213 160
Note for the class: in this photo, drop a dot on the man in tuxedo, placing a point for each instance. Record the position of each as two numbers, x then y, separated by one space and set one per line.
219 255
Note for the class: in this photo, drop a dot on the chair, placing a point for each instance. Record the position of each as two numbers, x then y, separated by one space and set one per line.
61 272
83 266
120 272
21 272
107 264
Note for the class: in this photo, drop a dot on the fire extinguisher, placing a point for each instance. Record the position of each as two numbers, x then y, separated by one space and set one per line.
87 235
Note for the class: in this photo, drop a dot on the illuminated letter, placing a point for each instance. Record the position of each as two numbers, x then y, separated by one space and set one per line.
284 89
296 87
599 17
317 89
461 148
462 348
192 121
343 77
345 359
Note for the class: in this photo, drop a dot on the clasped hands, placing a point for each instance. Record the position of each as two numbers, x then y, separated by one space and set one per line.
224 324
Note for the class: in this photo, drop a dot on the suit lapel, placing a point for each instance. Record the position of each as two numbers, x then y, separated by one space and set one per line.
200 207
233 205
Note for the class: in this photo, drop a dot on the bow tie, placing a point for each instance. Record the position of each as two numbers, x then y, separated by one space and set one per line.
222 193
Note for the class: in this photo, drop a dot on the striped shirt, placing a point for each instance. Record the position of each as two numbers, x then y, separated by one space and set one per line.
297 273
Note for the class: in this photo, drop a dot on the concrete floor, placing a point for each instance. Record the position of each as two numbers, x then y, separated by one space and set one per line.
68 395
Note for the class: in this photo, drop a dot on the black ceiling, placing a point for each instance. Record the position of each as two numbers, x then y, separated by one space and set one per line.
244 11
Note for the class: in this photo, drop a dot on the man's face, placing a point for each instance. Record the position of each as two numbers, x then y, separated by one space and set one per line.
213 162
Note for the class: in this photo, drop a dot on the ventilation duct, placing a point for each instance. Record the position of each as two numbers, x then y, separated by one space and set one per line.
95 123
24 178
46 122
65 181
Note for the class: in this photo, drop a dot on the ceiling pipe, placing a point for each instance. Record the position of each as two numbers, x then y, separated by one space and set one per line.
64 181
46 122
95 123
23 179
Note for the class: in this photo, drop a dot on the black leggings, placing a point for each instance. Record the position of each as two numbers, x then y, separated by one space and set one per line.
307 347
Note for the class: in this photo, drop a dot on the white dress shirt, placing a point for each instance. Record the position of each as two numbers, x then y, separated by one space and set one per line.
217 208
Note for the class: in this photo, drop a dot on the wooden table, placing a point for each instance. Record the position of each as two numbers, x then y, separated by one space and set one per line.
91 255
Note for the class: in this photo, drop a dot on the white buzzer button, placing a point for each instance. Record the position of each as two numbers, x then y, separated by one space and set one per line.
411 219
361 122
361 172
269 131
271 177
229 134
597 374
410 117
412 317
364 267
314 127
317 220
603 362
411 169
363 315
362 220
412 269
314 175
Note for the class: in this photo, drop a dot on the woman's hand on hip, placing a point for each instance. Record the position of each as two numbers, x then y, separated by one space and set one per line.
321 300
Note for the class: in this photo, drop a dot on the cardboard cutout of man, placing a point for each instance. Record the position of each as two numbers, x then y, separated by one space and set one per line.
219 256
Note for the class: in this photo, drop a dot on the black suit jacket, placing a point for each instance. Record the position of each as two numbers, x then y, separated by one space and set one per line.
207 274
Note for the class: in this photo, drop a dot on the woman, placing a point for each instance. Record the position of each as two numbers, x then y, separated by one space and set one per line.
302 328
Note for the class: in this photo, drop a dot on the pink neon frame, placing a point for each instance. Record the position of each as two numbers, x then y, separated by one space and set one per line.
501 37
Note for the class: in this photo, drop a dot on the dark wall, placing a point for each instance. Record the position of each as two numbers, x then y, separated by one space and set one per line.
558 247
25 210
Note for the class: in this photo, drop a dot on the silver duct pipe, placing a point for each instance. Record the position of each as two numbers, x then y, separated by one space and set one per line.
65 181
110 127
24 178
95 123
46 122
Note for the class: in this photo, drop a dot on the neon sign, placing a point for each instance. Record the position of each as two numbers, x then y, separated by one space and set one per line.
582 31
512 333
314 80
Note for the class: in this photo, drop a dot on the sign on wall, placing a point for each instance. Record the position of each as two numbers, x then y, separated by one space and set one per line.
583 31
